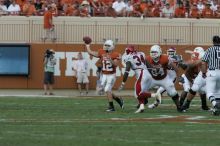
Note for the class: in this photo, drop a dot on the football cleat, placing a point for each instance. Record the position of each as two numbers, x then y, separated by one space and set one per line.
157 96
154 105
141 109
145 102
185 106
180 110
110 109
205 108
216 109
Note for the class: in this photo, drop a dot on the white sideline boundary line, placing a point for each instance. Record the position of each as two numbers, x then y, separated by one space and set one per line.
78 96
31 96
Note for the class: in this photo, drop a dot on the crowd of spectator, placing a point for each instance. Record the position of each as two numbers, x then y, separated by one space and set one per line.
114 8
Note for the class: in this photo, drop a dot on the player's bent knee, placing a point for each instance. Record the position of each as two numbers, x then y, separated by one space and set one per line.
192 92
172 93
195 88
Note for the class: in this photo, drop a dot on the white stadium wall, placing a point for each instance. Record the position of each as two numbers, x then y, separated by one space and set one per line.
181 33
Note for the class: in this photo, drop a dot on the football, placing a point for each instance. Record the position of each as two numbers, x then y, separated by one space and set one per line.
87 39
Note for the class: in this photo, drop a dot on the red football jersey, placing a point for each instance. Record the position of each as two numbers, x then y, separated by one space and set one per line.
158 70
107 66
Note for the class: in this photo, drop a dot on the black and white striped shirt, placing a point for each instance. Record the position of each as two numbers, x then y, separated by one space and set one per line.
212 57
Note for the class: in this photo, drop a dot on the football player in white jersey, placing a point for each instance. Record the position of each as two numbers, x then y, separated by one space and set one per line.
135 61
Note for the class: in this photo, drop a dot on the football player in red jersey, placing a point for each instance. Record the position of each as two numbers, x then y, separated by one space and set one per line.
171 52
158 65
110 60
198 82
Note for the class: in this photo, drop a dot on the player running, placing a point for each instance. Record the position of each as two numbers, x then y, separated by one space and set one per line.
157 67
136 61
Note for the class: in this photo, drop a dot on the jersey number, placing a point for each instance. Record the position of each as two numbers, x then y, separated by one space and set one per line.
107 65
157 71
139 60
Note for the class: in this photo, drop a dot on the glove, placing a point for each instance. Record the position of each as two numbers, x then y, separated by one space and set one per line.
121 86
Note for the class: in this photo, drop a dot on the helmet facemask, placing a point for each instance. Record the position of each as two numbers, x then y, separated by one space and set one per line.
155 55
171 53
155 52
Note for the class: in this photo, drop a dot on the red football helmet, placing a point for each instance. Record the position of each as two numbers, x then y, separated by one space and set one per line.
130 49
171 51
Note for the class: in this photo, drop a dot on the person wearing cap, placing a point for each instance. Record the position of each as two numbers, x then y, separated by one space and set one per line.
49 68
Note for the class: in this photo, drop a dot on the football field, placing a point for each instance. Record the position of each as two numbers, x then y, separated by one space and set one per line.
82 121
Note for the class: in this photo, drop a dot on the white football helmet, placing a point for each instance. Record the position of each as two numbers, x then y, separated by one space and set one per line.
108 45
155 52
200 52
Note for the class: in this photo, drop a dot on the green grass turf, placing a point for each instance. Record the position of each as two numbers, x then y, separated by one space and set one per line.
84 122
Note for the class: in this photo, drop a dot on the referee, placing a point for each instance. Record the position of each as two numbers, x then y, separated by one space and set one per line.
211 60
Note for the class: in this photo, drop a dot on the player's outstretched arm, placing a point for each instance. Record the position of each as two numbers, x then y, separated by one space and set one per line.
93 53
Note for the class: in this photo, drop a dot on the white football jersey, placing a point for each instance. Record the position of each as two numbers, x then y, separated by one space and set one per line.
137 60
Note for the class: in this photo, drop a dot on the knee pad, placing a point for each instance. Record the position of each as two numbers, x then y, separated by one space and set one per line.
192 92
